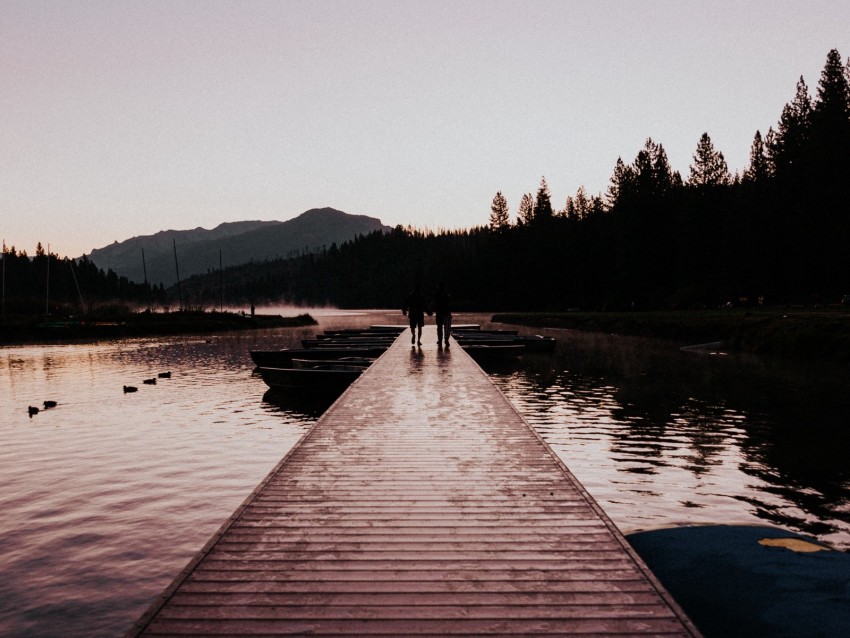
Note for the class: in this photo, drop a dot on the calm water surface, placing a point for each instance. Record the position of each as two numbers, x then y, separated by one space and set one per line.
104 498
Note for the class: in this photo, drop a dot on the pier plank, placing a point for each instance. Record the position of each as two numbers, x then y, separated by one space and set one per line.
420 504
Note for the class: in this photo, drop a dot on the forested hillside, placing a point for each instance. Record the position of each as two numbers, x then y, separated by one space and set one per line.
778 233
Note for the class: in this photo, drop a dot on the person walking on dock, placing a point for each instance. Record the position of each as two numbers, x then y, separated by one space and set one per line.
414 308
442 306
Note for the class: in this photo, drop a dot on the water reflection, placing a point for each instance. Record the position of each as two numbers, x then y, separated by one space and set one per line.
417 358
660 436
298 406
107 496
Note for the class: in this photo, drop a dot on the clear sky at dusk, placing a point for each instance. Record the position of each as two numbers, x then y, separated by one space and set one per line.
122 118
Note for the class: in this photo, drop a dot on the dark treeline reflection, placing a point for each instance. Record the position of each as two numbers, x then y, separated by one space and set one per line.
788 423
779 233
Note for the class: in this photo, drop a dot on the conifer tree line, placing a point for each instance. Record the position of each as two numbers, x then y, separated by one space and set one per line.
48 283
778 233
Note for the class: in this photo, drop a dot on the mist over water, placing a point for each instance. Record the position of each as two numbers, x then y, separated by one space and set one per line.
106 497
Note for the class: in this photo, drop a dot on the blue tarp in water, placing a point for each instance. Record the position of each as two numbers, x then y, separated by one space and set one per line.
731 584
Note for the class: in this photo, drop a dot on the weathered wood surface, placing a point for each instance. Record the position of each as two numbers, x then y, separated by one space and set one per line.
422 504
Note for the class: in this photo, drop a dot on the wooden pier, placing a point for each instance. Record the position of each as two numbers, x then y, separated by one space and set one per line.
420 504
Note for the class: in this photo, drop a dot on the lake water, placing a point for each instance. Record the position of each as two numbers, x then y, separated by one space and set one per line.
106 497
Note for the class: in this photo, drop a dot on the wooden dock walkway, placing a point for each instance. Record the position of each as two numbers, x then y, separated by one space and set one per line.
420 504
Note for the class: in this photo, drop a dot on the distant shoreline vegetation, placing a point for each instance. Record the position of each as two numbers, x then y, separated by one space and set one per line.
776 235
796 333
21 329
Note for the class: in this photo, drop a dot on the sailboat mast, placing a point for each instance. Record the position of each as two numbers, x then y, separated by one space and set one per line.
177 270
47 294
77 284
220 283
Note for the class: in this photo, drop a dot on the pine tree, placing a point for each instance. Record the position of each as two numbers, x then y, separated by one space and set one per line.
792 136
770 147
621 186
525 212
830 118
579 205
709 167
543 203
759 169
499 216
653 175
833 90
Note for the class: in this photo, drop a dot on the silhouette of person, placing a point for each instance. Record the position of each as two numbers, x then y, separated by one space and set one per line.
414 308
442 306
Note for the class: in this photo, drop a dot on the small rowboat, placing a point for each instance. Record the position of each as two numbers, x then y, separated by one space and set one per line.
344 363
493 353
532 343
311 380
283 358
346 343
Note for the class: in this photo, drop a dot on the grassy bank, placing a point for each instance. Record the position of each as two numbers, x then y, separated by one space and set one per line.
21 329
796 333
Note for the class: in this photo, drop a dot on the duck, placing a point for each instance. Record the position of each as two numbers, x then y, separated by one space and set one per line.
130 388
151 381
31 410
164 375
49 404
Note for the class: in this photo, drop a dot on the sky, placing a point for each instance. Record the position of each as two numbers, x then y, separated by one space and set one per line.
124 118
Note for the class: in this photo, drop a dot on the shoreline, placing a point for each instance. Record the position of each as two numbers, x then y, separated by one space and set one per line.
781 332
28 330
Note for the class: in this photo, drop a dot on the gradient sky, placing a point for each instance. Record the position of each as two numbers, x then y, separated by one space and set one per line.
122 118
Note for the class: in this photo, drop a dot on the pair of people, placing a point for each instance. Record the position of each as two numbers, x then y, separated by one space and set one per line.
415 307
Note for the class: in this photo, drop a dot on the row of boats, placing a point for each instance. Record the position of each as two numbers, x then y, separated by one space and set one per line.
329 362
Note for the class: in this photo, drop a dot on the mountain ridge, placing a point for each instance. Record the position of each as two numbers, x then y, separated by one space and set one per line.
200 250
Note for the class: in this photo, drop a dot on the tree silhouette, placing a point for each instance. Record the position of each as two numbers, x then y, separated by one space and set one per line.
709 167
792 136
543 203
525 212
759 169
499 218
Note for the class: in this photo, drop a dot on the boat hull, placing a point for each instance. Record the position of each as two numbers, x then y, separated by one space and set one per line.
283 358
310 380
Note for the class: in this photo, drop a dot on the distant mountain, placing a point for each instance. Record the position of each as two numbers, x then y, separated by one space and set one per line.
239 243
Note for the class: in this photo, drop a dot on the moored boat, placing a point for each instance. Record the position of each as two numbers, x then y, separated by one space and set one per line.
283 358
333 379
532 343
537 343
329 364
352 342
493 353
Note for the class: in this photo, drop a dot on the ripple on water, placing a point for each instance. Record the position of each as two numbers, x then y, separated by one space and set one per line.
694 460
105 497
